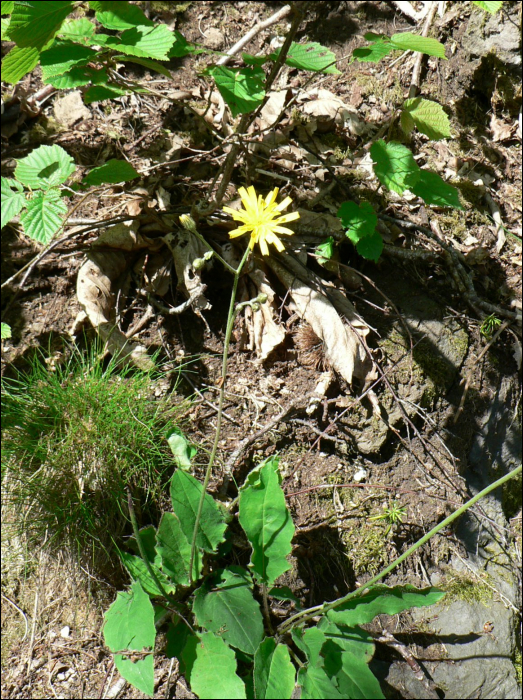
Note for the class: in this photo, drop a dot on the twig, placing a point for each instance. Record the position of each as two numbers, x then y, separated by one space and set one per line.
416 72
22 613
276 17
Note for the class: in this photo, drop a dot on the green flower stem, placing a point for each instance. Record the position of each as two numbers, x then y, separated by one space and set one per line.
306 615
228 332
219 257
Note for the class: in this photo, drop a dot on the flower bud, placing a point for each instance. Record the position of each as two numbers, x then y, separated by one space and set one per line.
198 263
188 223
255 306
262 298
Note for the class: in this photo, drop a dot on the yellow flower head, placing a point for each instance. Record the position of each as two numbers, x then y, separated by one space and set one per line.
262 218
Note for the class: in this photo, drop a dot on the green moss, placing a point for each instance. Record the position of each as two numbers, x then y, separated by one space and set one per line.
471 589
375 86
365 547
516 661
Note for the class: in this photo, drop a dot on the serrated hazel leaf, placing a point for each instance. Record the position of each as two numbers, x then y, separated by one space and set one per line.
112 172
79 76
373 53
146 62
63 56
6 331
174 548
225 605
36 23
311 56
488 5
185 497
13 200
413 42
434 190
4 28
7 7
78 30
19 62
394 166
181 46
121 15
44 215
98 93
274 672
266 521
46 166
359 221
145 42
241 88
383 600
129 624
370 247
429 117
406 122
212 671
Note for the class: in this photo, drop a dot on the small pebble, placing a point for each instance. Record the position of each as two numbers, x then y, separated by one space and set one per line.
360 475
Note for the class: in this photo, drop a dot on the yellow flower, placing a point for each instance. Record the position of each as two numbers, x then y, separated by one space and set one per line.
262 218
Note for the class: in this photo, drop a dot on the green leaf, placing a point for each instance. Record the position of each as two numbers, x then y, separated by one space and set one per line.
312 56
13 200
394 166
137 568
82 75
18 62
434 190
6 331
175 550
78 30
325 250
407 41
181 448
129 624
185 497
4 29
352 639
488 6
113 172
370 247
251 60
36 23
383 600
225 605
274 672
359 221
63 56
177 636
266 521
7 7
44 215
285 593
316 684
352 676
146 62
97 93
181 46
121 15
145 42
212 672
242 88
373 53
428 116
46 166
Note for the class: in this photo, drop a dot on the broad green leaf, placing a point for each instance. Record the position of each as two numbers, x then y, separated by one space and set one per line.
139 572
370 247
129 624
44 215
316 685
121 15
352 639
79 76
113 172
46 166
212 673
145 42
36 23
266 521
428 116
311 56
325 250
359 221
242 88
175 550
373 53
97 93
146 62
181 46
13 200
434 190
488 6
251 60
394 166
413 42
352 676
63 56
4 29
18 62
181 448
78 30
383 600
225 606
177 636
7 7
285 593
6 331
274 672
185 496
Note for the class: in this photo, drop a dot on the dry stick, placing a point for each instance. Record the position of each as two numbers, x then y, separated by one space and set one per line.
238 46
416 73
